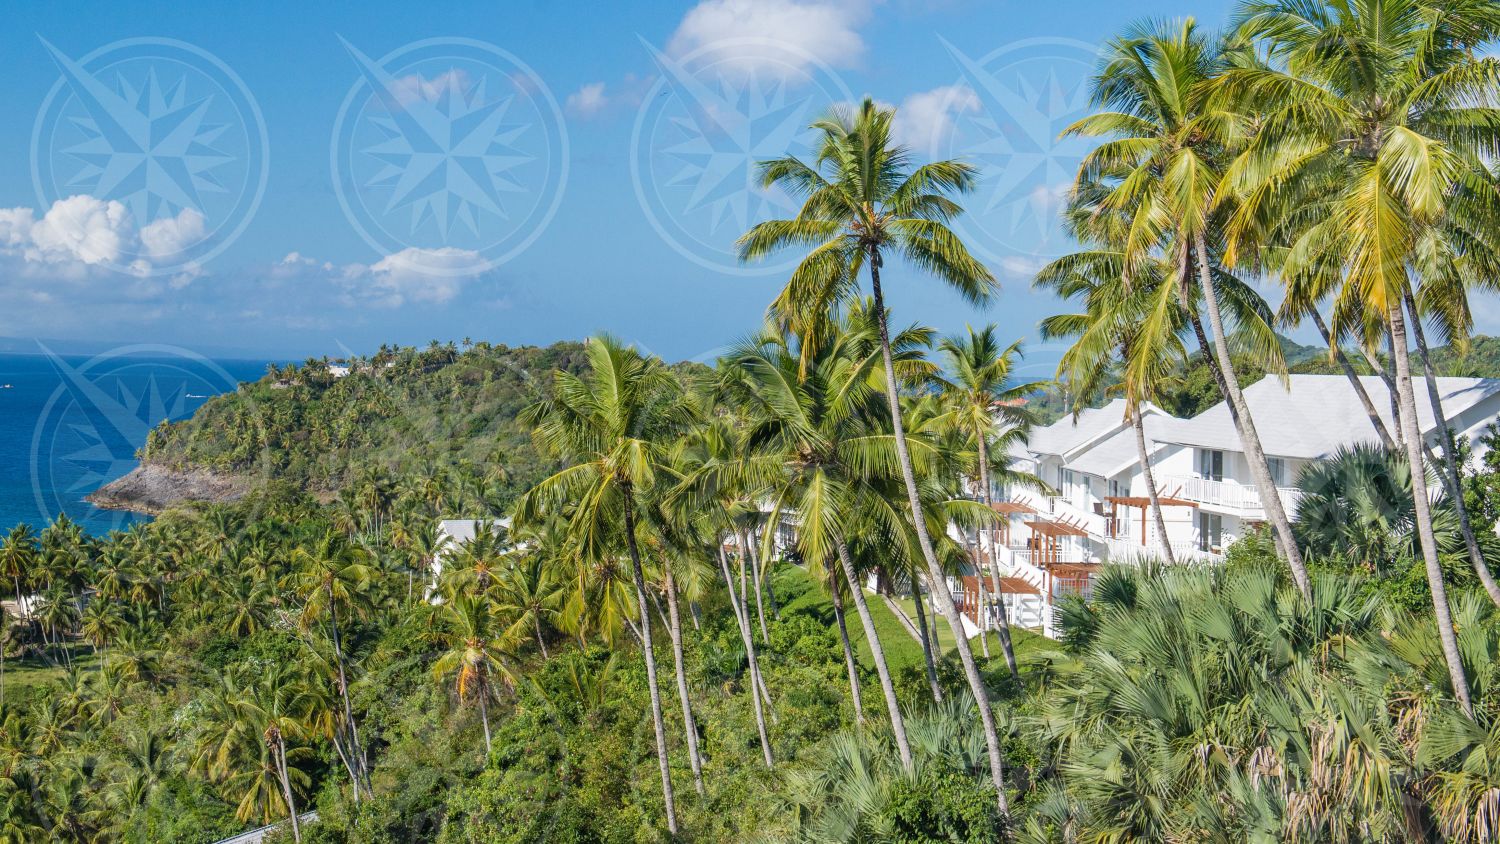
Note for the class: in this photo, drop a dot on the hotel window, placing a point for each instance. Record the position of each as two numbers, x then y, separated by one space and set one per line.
1278 470
1211 464
1210 531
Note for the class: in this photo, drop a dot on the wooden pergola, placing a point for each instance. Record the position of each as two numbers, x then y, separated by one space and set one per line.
968 599
1071 578
1048 536
1144 503
1008 509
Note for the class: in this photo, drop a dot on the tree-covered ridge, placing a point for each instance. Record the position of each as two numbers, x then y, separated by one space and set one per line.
443 414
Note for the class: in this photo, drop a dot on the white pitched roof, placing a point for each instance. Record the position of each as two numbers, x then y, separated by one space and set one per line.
460 531
1317 414
1069 434
1115 454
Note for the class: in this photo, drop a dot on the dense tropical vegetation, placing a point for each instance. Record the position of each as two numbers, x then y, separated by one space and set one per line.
710 611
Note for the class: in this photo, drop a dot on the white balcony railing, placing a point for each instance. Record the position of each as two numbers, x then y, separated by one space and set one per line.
1230 495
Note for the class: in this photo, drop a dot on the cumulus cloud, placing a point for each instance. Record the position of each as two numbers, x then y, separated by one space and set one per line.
794 33
588 100
410 277
925 120
82 234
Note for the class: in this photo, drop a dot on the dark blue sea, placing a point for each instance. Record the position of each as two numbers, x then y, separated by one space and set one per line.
70 423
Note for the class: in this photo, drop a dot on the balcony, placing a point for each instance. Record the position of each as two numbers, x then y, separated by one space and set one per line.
1242 500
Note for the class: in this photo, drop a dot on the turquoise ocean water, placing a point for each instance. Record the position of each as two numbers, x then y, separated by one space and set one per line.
70 423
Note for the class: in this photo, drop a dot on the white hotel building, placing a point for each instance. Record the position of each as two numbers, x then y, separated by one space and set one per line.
1050 546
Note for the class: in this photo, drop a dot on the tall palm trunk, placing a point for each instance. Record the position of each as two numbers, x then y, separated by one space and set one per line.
877 653
762 568
1413 437
355 751
935 571
645 615
989 501
748 640
747 545
690 725
1448 466
979 606
1358 385
540 642
926 638
1137 422
1260 470
278 750
835 588
484 709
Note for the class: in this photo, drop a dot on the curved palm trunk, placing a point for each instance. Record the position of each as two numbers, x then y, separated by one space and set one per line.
747 540
484 713
540 642
1151 493
989 501
979 609
645 615
355 751
935 571
762 568
1358 385
689 724
1413 437
748 640
835 590
1448 466
877 654
286 786
919 601
1249 438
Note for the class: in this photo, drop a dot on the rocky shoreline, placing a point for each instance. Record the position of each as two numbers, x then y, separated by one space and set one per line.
150 489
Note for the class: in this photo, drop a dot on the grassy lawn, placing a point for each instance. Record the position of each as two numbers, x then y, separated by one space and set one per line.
1024 641
23 676
798 593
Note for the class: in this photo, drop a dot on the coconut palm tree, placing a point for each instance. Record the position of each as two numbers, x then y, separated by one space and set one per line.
474 652
980 389
816 437
864 201
246 743
612 424
18 556
1390 133
718 499
1160 163
1126 339
329 575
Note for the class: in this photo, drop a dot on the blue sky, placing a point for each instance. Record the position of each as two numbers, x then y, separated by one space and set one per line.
507 232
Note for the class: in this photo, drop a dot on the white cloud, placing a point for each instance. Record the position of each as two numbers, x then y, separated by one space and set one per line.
432 276
413 88
412 276
794 33
169 237
83 234
588 100
83 229
926 120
